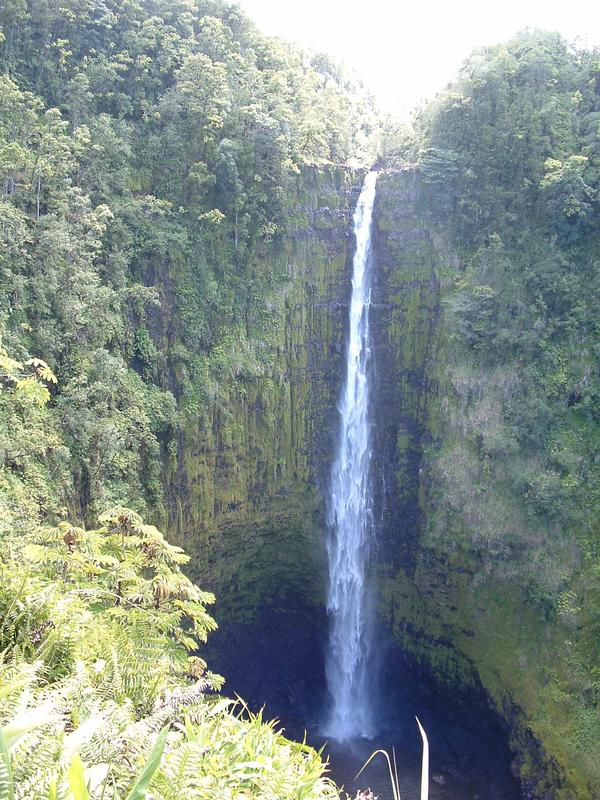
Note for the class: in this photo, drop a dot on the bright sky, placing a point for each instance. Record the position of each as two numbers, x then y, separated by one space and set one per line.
406 50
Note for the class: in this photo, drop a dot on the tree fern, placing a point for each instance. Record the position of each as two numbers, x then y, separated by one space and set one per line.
104 693
7 785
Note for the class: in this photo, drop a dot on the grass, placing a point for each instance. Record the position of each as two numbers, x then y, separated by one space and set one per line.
393 770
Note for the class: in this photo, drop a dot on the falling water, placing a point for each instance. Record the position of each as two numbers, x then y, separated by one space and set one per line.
350 513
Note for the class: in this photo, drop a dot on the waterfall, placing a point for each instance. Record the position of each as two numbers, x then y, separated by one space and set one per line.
350 512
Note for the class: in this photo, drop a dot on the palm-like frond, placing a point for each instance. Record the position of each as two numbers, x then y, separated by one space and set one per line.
103 694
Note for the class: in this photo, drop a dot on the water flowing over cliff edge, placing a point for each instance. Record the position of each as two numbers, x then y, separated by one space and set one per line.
349 658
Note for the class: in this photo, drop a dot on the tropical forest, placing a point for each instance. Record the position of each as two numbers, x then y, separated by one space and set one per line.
299 416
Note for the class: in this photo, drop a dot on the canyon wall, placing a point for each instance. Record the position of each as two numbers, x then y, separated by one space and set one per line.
246 495
454 561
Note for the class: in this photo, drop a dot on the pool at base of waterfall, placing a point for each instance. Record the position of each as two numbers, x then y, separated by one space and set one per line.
466 763
457 772
277 664
469 755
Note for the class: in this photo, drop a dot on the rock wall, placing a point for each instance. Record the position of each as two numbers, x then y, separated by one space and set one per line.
455 609
245 494
404 319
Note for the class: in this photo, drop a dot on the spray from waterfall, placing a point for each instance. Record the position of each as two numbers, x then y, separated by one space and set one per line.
350 517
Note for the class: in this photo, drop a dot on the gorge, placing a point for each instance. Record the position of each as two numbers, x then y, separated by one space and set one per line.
179 326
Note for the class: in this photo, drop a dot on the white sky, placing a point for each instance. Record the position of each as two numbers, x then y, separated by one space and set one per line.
406 50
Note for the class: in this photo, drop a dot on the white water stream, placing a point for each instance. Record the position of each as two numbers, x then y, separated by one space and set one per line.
350 512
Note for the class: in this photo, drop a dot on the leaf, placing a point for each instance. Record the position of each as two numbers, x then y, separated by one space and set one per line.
7 788
393 779
73 741
42 369
9 364
28 721
189 730
143 782
219 707
10 688
425 763
32 390
77 783
46 374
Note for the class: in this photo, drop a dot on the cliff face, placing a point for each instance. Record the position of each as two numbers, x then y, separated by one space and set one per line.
453 568
245 492
405 324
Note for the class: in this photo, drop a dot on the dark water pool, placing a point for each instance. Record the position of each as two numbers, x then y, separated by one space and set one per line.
278 665
462 767
469 757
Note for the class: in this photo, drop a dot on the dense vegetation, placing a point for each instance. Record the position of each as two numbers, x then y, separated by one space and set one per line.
147 144
513 158
508 164
145 151
102 692
148 149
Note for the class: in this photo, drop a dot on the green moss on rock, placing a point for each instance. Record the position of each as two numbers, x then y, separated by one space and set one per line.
454 583
243 494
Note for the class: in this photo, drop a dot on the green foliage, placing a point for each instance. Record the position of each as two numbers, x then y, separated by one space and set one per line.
146 151
142 784
28 385
506 179
103 691
521 172
7 786
568 195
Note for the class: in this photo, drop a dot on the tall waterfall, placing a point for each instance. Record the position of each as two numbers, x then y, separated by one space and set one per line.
350 512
